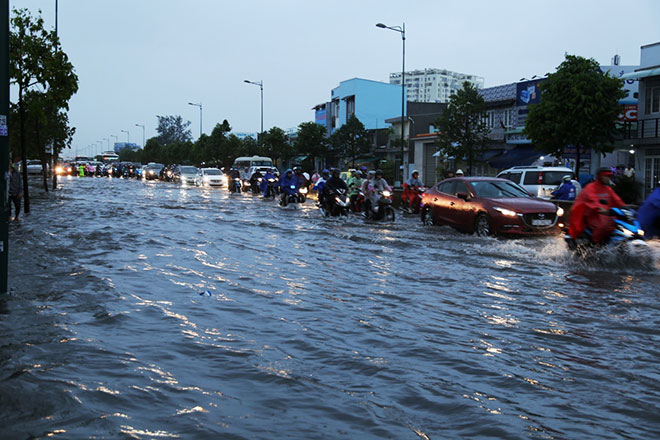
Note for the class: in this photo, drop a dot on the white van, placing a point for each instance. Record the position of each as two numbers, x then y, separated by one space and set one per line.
246 165
539 181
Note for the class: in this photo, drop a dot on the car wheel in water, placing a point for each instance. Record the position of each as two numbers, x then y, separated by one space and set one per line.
427 219
482 226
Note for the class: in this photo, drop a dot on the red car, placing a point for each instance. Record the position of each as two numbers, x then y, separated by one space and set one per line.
488 206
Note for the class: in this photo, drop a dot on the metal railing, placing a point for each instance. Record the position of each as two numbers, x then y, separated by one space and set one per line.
644 129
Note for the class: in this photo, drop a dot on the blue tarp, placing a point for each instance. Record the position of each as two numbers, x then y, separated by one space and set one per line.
519 156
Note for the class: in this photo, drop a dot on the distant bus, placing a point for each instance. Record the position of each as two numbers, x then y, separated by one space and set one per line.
81 159
109 156
242 163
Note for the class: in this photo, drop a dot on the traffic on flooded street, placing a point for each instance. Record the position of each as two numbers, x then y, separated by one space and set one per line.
153 309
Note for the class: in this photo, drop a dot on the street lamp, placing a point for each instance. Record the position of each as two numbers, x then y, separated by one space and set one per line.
128 136
200 116
107 139
116 139
402 31
261 87
141 125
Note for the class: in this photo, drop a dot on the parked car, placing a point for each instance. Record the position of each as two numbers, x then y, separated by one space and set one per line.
539 181
185 174
488 206
210 177
34 167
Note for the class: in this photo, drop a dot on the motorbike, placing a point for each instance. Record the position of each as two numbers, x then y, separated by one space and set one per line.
626 239
336 203
235 185
302 194
289 197
385 210
255 185
416 194
246 185
270 188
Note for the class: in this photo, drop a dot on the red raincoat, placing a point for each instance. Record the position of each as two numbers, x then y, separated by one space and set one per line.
586 211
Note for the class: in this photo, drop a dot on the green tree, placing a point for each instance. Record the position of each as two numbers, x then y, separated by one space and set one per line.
463 132
312 141
172 129
276 145
46 81
579 106
351 140
153 151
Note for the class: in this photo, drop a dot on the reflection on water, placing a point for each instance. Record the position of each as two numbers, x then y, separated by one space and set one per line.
148 310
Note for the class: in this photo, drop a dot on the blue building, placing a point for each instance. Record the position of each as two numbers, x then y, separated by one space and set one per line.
372 102
121 145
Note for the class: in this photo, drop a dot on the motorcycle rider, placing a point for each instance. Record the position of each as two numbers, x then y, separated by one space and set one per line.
304 180
649 215
233 174
254 180
354 184
376 186
320 183
566 190
333 183
287 181
409 187
587 212
264 182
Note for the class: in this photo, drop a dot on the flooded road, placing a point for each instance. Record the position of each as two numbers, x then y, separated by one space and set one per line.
149 310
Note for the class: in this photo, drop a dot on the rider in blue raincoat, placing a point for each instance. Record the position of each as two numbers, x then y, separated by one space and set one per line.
566 191
289 183
264 181
649 215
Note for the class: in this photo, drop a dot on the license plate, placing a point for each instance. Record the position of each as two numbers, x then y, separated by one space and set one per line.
541 222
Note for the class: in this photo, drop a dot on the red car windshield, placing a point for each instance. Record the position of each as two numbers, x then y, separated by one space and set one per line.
497 190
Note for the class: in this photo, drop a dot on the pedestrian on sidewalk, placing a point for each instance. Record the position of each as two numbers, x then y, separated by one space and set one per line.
15 191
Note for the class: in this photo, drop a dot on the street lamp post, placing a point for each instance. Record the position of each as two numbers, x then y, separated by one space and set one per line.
116 139
107 139
200 116
261 88
142 125
128 136
402 31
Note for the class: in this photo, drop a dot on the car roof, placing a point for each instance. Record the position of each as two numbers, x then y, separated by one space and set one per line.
476 179
537 168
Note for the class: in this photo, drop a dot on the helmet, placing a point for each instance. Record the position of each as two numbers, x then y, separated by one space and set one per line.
358 173
379 172
325 172
604 170
459 172
296 169
371 172
335 172
288 171
567 178
415 172
363 169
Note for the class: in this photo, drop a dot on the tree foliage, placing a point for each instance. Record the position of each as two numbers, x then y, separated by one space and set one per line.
172 129
463 131
579 106
311 140
351 140
46 81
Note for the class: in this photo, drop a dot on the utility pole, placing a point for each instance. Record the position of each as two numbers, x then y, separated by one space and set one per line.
4 144
53 153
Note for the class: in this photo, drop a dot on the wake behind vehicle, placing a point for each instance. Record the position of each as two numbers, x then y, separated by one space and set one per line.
488 206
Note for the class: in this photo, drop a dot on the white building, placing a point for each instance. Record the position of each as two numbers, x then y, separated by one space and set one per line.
434 85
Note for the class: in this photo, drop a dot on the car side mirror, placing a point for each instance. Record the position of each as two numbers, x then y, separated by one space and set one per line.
462 195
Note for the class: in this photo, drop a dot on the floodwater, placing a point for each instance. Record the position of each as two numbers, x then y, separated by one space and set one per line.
144 310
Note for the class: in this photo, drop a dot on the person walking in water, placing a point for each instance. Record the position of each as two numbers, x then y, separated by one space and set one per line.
15 191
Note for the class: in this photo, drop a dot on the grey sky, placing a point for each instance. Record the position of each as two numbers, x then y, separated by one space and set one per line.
140 58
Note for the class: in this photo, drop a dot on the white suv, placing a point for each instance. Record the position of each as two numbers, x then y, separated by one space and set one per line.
539 181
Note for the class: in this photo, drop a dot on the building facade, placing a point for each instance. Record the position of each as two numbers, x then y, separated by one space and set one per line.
643 137
434 85
370 101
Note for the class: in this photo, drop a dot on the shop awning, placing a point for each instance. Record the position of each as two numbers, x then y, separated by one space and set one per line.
642 74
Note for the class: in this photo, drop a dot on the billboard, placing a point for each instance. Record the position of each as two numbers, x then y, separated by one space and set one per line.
528 92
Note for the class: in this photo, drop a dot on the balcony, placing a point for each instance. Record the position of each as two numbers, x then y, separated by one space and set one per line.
644 129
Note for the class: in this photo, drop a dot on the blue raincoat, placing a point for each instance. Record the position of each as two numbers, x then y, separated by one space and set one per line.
565 192
264 181
649 215
287 182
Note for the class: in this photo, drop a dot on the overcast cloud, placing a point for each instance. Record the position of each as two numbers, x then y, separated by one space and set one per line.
140 58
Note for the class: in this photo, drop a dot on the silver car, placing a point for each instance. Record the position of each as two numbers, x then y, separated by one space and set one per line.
210 177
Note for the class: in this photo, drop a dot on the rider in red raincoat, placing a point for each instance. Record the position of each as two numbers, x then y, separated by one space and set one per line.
593 201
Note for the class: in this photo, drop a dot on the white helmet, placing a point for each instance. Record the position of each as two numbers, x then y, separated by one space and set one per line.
459 172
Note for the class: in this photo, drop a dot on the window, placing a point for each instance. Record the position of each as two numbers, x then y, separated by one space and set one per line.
514 177
460 188
652 104
350 106
447 187
531 178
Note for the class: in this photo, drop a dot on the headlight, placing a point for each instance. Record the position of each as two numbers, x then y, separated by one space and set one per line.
505 211
640 232
386 193
151 171
560 211
292 186
303 190
59 170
